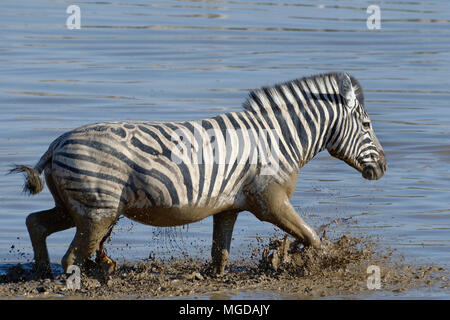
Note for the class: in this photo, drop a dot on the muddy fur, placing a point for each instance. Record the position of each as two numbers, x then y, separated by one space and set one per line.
91 195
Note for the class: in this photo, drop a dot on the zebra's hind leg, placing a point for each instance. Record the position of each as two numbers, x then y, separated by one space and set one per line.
40 225
88 239
223 224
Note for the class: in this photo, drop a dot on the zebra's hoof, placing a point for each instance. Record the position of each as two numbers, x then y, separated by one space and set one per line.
105 263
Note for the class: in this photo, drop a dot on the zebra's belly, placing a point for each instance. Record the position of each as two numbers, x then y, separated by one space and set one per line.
172 216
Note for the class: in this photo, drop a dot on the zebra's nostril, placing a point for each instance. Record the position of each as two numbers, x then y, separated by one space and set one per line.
368 172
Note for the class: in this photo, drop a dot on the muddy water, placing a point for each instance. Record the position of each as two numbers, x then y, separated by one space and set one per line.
176 60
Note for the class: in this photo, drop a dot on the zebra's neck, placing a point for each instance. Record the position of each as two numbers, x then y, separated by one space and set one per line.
302 112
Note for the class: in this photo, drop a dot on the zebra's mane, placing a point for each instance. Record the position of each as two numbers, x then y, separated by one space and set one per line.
261 99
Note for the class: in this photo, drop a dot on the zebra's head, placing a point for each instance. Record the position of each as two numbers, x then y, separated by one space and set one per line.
353 139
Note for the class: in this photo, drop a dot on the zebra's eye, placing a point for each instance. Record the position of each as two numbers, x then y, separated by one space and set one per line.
366 125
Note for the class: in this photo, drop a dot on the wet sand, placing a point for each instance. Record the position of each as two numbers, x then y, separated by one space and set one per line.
284 270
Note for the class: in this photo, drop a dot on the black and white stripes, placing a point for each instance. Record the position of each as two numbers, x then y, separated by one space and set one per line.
208 162
175 173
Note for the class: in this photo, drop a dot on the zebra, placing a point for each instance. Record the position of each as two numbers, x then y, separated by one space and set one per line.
175 173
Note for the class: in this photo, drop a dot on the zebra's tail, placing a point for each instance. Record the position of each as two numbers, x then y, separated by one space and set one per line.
33 181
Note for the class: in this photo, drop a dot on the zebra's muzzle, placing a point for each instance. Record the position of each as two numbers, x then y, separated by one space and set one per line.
374 171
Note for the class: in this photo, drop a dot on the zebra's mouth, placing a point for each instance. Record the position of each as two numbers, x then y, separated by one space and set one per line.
373 171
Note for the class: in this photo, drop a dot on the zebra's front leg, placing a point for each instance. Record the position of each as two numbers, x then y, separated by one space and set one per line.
273 206
223 224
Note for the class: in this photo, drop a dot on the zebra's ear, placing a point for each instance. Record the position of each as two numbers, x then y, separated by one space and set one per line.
346 90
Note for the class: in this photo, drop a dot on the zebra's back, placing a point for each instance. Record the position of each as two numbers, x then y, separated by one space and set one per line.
141 165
